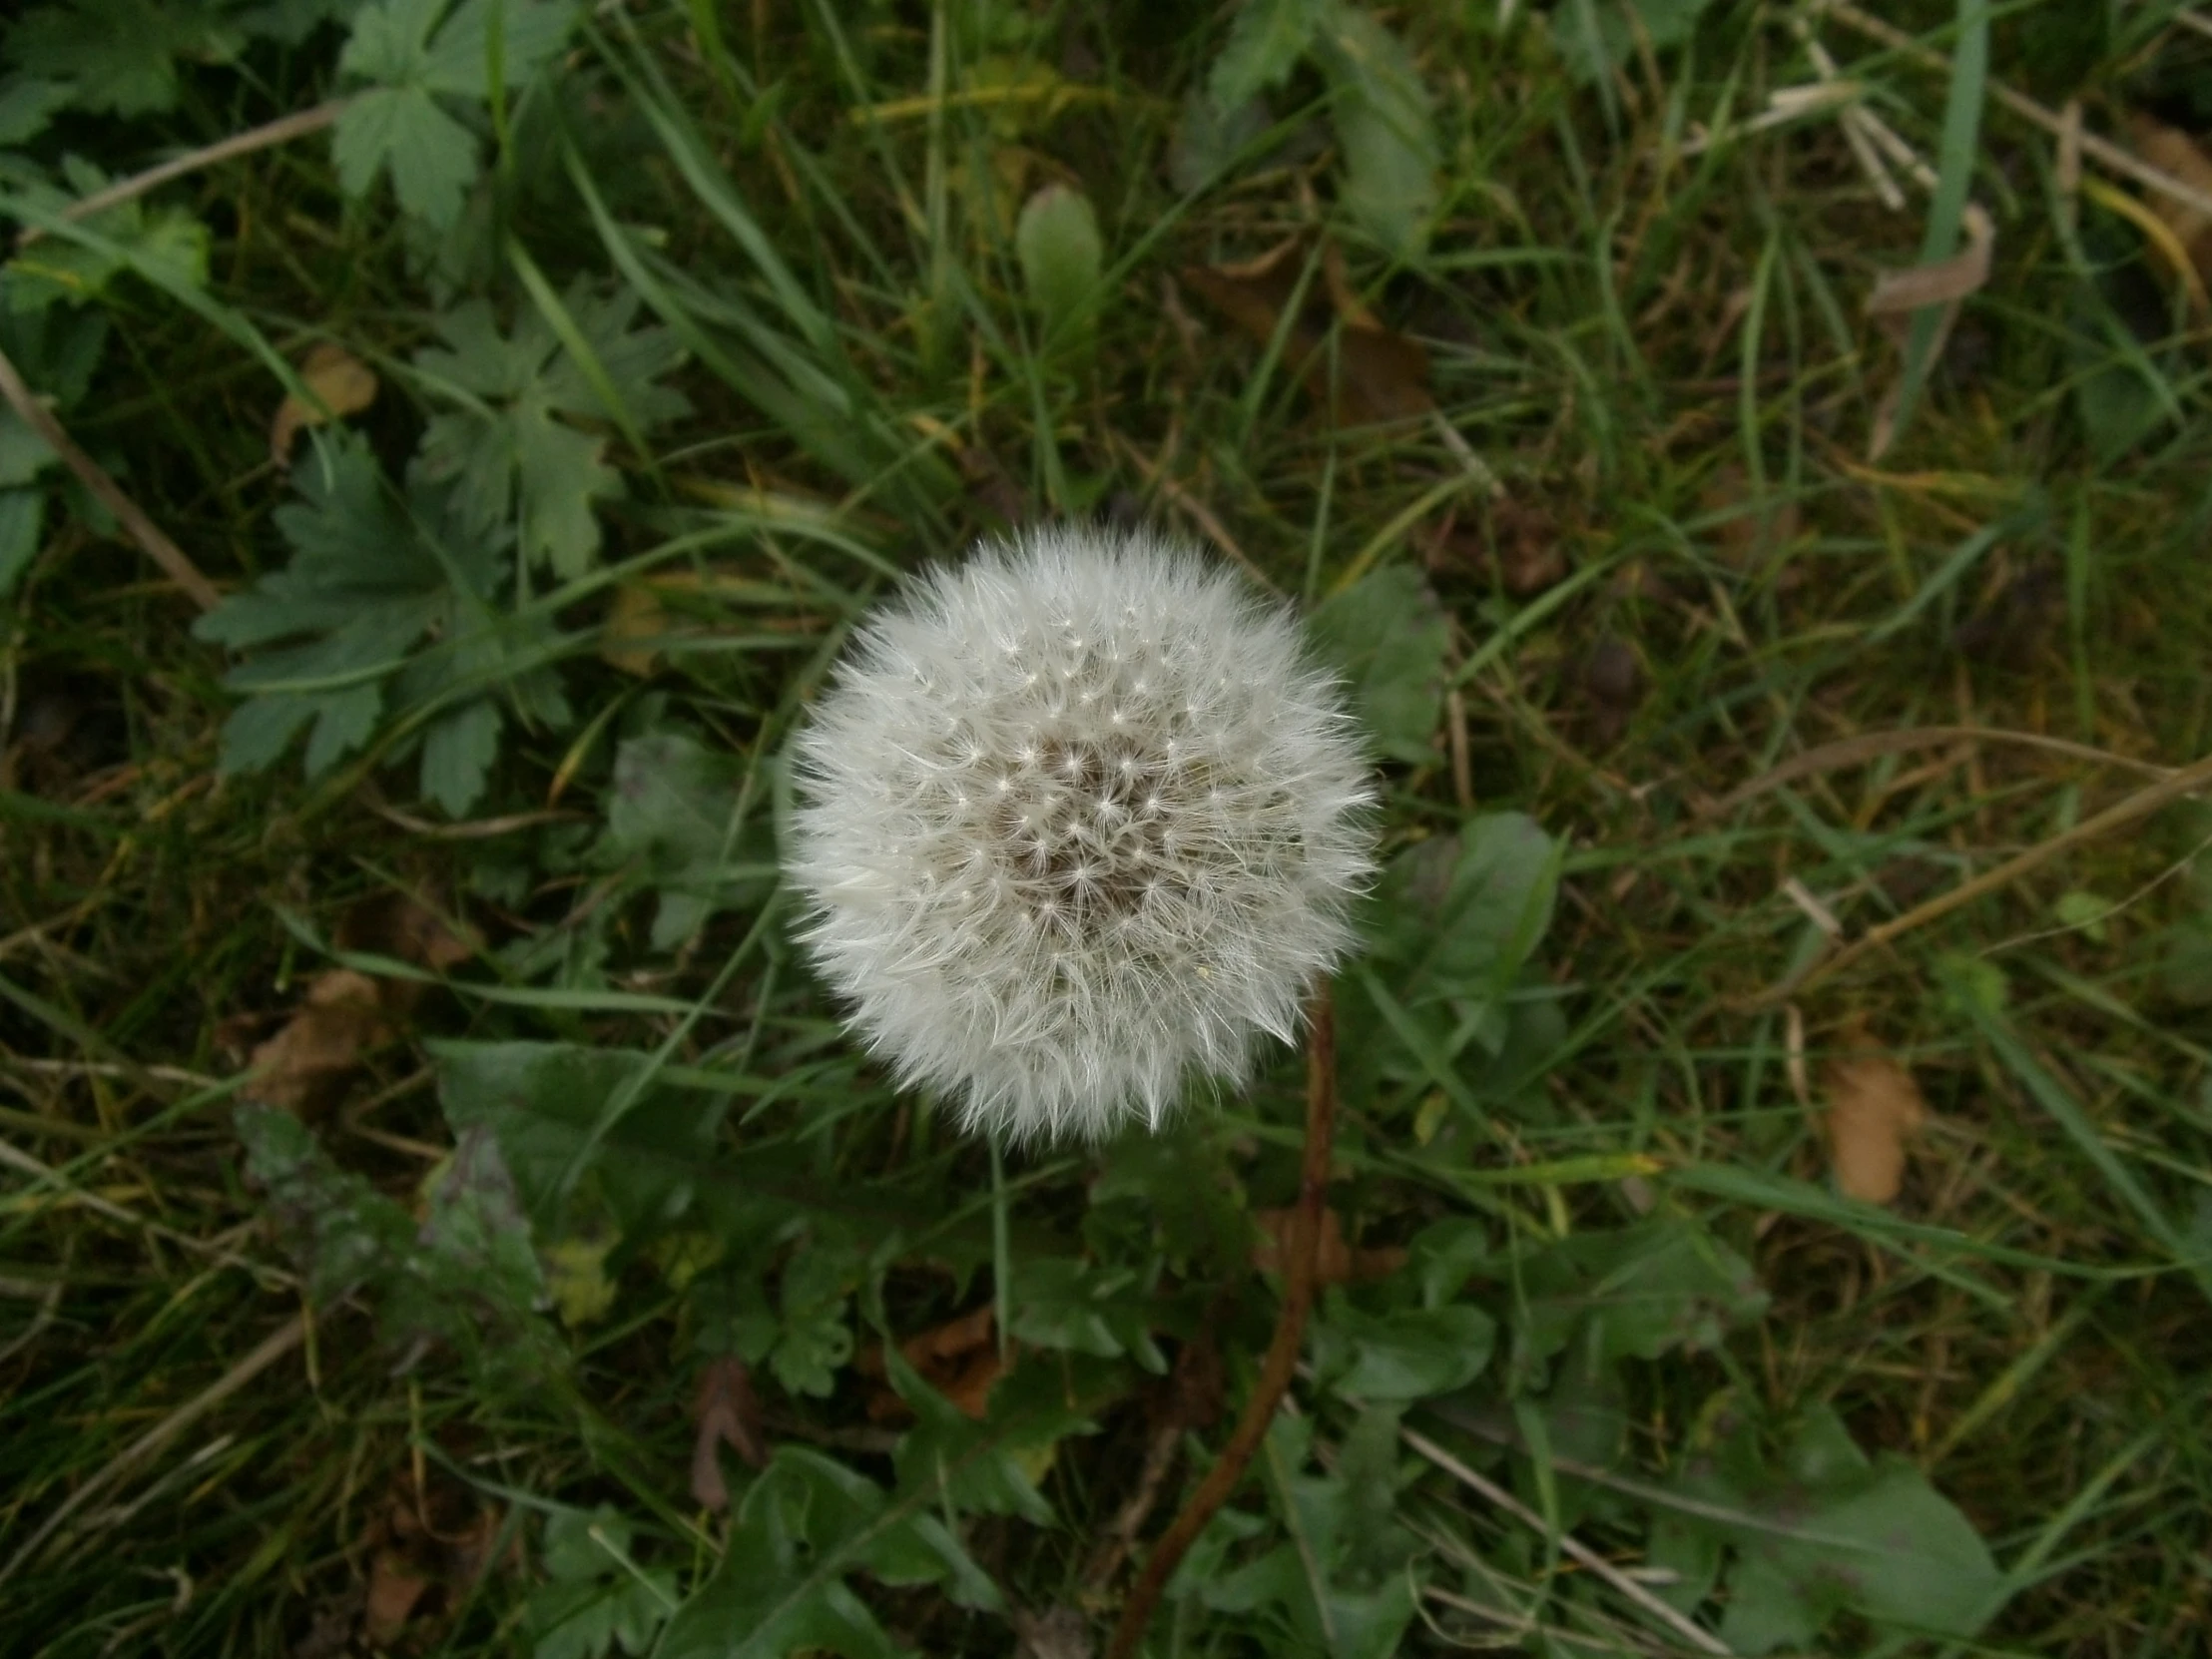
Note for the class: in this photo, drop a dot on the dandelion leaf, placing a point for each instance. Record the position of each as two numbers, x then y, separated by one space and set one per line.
1388 637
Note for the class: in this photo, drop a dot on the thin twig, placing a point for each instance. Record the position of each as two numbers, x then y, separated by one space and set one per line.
2103 151
2141 805
281 131
1681 1624
90 473
1301 1247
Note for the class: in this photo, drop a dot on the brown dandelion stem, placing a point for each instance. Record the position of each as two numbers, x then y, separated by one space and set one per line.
1299 1255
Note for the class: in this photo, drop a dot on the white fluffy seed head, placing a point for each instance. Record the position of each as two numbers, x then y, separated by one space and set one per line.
1078 819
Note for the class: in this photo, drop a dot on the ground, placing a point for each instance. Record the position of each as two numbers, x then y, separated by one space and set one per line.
441 1212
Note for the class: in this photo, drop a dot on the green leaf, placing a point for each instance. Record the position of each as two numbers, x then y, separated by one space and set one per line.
670 821
1635 1292
457 753
1209 137
1405 1354
1342 1579
1666 22
599 1600
1388 637
985 1466
1460 915
510 446
431 157
164 243
373 575
1057 242
1836 1533
1061 1303
1385 129
816 1335
780 1588
545 1101
27 103
120 57
1265 44
21 514
400 123
463 1274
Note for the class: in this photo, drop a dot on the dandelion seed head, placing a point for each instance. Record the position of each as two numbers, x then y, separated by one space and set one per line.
1078 819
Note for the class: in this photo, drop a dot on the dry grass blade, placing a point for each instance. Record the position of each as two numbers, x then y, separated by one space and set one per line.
271 1349
1873 746
281 131
2135 807
1491 1492
156 545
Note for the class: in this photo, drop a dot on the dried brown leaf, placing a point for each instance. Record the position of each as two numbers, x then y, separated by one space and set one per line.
727 1412
1874 1106
345 384
635 614
959 1358
394 1587
1371 374
2172 151
342 1015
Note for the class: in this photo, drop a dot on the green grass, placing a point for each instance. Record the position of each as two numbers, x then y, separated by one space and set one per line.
1662 358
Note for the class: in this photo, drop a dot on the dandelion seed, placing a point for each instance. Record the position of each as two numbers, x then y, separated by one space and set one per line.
1230 772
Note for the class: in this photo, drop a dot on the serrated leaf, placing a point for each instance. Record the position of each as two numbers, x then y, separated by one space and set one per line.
1635 1292
457 753
1460 915
1385 128
463 1274
780 1588
120 57
398 123
1388 637
431 157
168 243
598 1600
1588 55
509 447
27 103
1265 43
373 574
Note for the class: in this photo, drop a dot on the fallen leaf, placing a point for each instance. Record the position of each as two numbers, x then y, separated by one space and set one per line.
345 384
1371 374
1745 531
1057 1633
1900 294
347 1012
1614 682
1873 1106
636 614
393 1590
959 1358
725 1413
343 1014
1338 1264
2172 151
